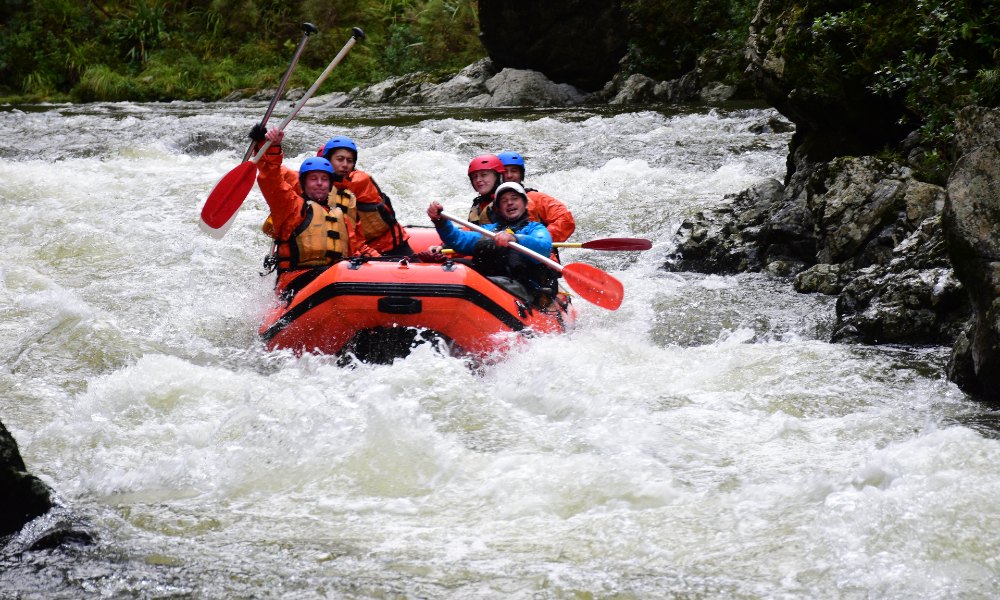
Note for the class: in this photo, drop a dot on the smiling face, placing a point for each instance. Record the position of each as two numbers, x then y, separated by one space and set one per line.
510 205
342 160
317 185
483 181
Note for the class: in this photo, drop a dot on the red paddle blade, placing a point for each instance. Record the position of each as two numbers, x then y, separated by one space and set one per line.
228 195
623 244
594 285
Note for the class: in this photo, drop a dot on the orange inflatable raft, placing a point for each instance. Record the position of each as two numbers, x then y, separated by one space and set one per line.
379 309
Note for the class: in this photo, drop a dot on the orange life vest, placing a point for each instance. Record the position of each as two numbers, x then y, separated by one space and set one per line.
321 239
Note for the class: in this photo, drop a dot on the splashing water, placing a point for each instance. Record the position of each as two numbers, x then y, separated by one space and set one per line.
705 440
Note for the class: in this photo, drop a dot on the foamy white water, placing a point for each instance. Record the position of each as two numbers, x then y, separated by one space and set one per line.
702 441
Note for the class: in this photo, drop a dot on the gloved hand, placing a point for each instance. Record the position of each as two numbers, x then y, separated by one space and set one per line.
257 133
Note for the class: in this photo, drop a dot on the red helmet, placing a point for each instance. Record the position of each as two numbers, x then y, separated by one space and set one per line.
486 162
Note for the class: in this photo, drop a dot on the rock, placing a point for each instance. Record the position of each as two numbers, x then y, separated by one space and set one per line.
915 299
58 527
971 220
860 228
823 279
514 87
724 240
332 100
772 125
717 92
682 89
25 497
860 196
636 89
579 42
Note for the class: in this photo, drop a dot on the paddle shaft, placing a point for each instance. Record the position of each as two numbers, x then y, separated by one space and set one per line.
228 195
356 35
307 29
548 262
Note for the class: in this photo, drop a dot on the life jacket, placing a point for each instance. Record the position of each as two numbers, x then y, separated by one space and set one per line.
378 218
481 212
321 239
493 261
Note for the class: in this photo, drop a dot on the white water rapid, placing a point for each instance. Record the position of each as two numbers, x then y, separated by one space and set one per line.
704 441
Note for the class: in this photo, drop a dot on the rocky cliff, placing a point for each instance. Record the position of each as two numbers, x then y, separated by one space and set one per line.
858 214
972 229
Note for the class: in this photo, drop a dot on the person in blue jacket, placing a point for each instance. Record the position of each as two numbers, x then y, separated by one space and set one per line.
493 257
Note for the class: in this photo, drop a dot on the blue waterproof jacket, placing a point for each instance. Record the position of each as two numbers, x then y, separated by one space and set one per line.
531 235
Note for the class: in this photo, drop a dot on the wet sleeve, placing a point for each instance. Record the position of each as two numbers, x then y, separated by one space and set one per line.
285 204
536 238
364 188
552 213
459 240
357 239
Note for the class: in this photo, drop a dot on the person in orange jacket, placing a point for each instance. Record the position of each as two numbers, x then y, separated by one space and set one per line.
381 230
309 231
543 208
378 219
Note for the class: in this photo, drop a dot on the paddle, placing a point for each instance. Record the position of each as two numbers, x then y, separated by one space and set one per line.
593 285
228 195
621 244
307 29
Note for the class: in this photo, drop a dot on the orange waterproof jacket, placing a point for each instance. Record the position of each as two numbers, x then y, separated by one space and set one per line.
374 209
288 207
552 213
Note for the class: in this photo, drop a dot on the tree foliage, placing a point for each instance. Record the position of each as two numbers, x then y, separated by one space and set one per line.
930 57
667 36
205 49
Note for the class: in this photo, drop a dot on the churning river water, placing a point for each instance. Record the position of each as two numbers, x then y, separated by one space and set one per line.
704 441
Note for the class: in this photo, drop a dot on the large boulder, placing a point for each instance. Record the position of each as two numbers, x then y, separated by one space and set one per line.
515 87
579 42
24 496
971 225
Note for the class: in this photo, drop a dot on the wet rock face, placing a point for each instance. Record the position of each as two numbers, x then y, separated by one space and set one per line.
859 228
972 228
578 42
24 496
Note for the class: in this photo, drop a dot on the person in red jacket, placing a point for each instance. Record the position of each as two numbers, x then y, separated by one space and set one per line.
308 229
543 208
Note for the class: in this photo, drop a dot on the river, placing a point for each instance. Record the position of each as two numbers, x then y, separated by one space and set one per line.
704 441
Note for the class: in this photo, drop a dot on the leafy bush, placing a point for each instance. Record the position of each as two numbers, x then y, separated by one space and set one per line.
929 57
667 36
205 49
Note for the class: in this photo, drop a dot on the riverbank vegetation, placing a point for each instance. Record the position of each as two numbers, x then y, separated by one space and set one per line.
149 50
929 57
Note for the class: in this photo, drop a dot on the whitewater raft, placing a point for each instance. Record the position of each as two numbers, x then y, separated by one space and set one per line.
380 309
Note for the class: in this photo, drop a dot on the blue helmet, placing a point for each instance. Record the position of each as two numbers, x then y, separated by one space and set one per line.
314 164
509 158
339 142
